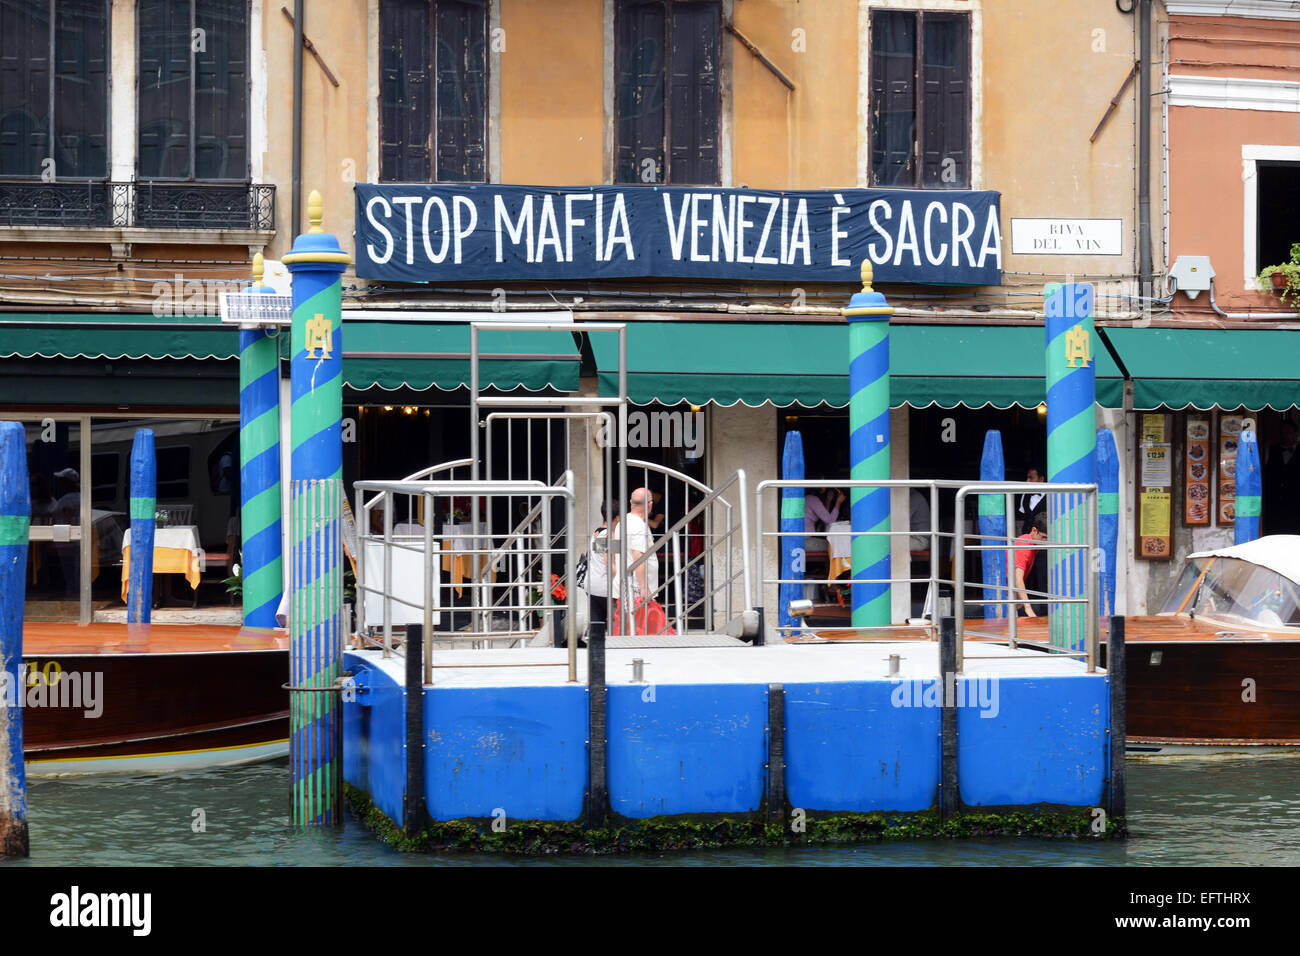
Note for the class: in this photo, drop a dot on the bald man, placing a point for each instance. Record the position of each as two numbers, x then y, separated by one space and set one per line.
645 579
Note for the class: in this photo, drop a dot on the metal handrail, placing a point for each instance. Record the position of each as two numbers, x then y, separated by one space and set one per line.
934 534
711 497
1089 600
425 474
958 583
429 491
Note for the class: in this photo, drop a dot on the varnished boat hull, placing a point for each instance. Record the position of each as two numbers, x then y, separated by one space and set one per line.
168 701
1222 695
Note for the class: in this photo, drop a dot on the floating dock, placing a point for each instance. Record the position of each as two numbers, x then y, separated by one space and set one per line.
768 739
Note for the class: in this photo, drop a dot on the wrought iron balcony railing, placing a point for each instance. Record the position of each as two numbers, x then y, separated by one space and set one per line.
144 205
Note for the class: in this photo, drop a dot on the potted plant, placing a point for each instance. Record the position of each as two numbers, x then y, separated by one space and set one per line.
1284 278
235 583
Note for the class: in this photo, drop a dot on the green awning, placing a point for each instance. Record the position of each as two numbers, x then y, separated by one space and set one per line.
377 353
785 363
112 335
402 353
1204 368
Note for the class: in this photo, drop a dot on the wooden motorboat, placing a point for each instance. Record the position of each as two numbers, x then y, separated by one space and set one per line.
1217 670
111 698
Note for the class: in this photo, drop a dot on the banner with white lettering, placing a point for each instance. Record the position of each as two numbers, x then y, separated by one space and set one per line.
428 233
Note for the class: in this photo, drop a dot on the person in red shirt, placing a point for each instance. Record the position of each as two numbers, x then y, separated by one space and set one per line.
1025 559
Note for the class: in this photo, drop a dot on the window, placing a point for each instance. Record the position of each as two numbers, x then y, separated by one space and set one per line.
193 89
103 478
920 99
1278 195
667 104
54 122
433 99
173 474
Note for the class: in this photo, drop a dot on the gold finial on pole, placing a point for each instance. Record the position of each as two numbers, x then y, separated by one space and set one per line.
259 268
866 275
315 211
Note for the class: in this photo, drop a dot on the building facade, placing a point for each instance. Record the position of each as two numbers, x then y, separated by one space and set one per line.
148 149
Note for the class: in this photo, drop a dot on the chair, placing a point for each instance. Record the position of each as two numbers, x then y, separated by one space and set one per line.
179 515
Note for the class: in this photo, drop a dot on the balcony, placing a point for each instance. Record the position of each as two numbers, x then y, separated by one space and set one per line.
98 204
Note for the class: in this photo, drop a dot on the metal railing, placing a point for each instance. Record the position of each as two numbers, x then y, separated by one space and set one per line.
1079 523
932 579
144 204
722 561
1006 595
507 578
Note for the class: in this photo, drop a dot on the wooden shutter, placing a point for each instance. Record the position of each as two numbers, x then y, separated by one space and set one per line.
81 89
945 109
641 30
164 84
406 94
893 99
221 91
694 101
24 87
461 123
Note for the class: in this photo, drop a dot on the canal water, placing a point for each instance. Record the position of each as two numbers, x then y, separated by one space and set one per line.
1190 813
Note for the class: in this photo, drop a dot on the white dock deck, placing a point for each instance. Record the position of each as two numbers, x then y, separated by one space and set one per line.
771 664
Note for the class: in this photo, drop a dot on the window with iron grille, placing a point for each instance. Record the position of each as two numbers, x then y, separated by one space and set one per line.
193 89
433 93
667 101
54 89
920 99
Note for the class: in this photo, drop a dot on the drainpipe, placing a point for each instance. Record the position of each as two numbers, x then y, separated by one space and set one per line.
1144 147
296 197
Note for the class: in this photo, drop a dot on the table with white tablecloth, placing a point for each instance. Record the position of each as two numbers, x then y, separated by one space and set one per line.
840 541
176 550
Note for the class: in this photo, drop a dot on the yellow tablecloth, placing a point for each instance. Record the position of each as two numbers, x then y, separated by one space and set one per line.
165 561
839 566
459 567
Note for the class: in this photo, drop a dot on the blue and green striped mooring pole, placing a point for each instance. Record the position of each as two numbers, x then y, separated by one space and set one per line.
316 474
868 317
1245 523
259 467
144 508
1071 449
15 520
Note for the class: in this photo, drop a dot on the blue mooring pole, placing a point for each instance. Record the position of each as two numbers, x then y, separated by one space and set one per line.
15 520
144 507
1107 517
1249 489
793 559
993 524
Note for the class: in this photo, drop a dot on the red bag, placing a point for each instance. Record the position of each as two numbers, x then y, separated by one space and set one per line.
647 618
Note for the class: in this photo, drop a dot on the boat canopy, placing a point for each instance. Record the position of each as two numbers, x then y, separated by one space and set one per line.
1276 552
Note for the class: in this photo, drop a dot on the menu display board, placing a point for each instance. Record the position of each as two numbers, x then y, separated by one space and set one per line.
1157 465
1198 472
1229 432
1154 540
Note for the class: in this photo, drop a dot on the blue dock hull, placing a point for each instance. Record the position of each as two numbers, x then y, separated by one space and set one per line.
694 751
